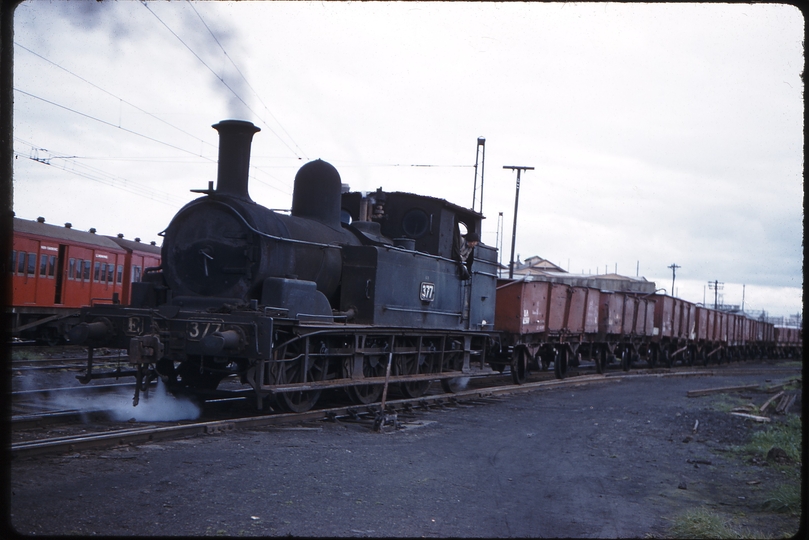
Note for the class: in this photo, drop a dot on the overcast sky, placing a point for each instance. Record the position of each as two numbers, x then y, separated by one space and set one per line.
659 133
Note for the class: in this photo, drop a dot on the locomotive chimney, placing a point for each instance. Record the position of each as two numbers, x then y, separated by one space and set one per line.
235 137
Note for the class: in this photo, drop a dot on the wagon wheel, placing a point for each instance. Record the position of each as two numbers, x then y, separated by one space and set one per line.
454 362
601 361
651 357
363 394
292 371
667 361
412 364
519 365
626 360
543 361
560 364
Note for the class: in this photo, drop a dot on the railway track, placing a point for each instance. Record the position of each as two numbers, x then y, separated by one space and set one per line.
111 435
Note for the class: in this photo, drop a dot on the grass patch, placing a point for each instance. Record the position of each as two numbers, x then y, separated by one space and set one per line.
786 436
785 499
703 523
728 402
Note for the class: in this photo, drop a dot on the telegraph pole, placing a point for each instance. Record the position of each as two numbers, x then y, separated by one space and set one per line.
715 286
516 205
674 268
498 243
481 149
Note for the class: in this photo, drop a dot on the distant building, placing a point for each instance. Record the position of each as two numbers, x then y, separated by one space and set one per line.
535 265
538 269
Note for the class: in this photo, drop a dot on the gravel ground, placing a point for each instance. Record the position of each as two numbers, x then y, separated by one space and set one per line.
614 459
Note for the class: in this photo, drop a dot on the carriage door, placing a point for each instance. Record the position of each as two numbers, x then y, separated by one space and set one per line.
60 273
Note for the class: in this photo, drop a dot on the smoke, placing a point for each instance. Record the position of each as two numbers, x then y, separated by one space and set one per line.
157 405
214 40
193 34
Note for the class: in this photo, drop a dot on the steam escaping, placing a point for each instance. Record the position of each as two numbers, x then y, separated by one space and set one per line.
155 406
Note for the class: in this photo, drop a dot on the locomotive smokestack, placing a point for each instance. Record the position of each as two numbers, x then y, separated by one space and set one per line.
235 138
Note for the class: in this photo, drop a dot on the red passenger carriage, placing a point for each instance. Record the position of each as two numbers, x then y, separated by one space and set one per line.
56 270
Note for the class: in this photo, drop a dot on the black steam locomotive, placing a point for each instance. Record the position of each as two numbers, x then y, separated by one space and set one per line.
346 291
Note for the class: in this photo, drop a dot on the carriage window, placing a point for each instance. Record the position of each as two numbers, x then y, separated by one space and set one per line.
135 273
97 271
102 275
87 266
43 265
110 273
32 264
120 278
51 265
21 263
71 268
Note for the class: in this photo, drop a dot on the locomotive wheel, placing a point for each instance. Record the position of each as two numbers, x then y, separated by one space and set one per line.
366 393
191 378
519 366
454 362
411 364
560 364
292 372
455 384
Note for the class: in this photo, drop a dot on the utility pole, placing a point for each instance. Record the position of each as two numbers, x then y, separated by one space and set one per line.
743 286
674 268
481 149
715 286
519 169
498 242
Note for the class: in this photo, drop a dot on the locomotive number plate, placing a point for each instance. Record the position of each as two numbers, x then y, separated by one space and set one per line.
427 291
198 330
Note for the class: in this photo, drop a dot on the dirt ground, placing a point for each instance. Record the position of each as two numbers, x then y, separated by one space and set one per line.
609 460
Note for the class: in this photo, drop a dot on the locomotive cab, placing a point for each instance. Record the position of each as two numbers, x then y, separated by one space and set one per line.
421 281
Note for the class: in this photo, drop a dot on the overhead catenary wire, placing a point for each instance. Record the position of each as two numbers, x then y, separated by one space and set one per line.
92 173
285 185
249 85
215 74
114 96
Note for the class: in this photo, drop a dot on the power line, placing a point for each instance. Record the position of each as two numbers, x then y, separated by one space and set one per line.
105 122
92 173
114 96
222 80
249 85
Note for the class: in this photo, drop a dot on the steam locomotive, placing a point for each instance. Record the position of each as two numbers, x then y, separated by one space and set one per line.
355 290
347 291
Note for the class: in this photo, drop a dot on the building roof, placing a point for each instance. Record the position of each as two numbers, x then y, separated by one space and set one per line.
538 269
